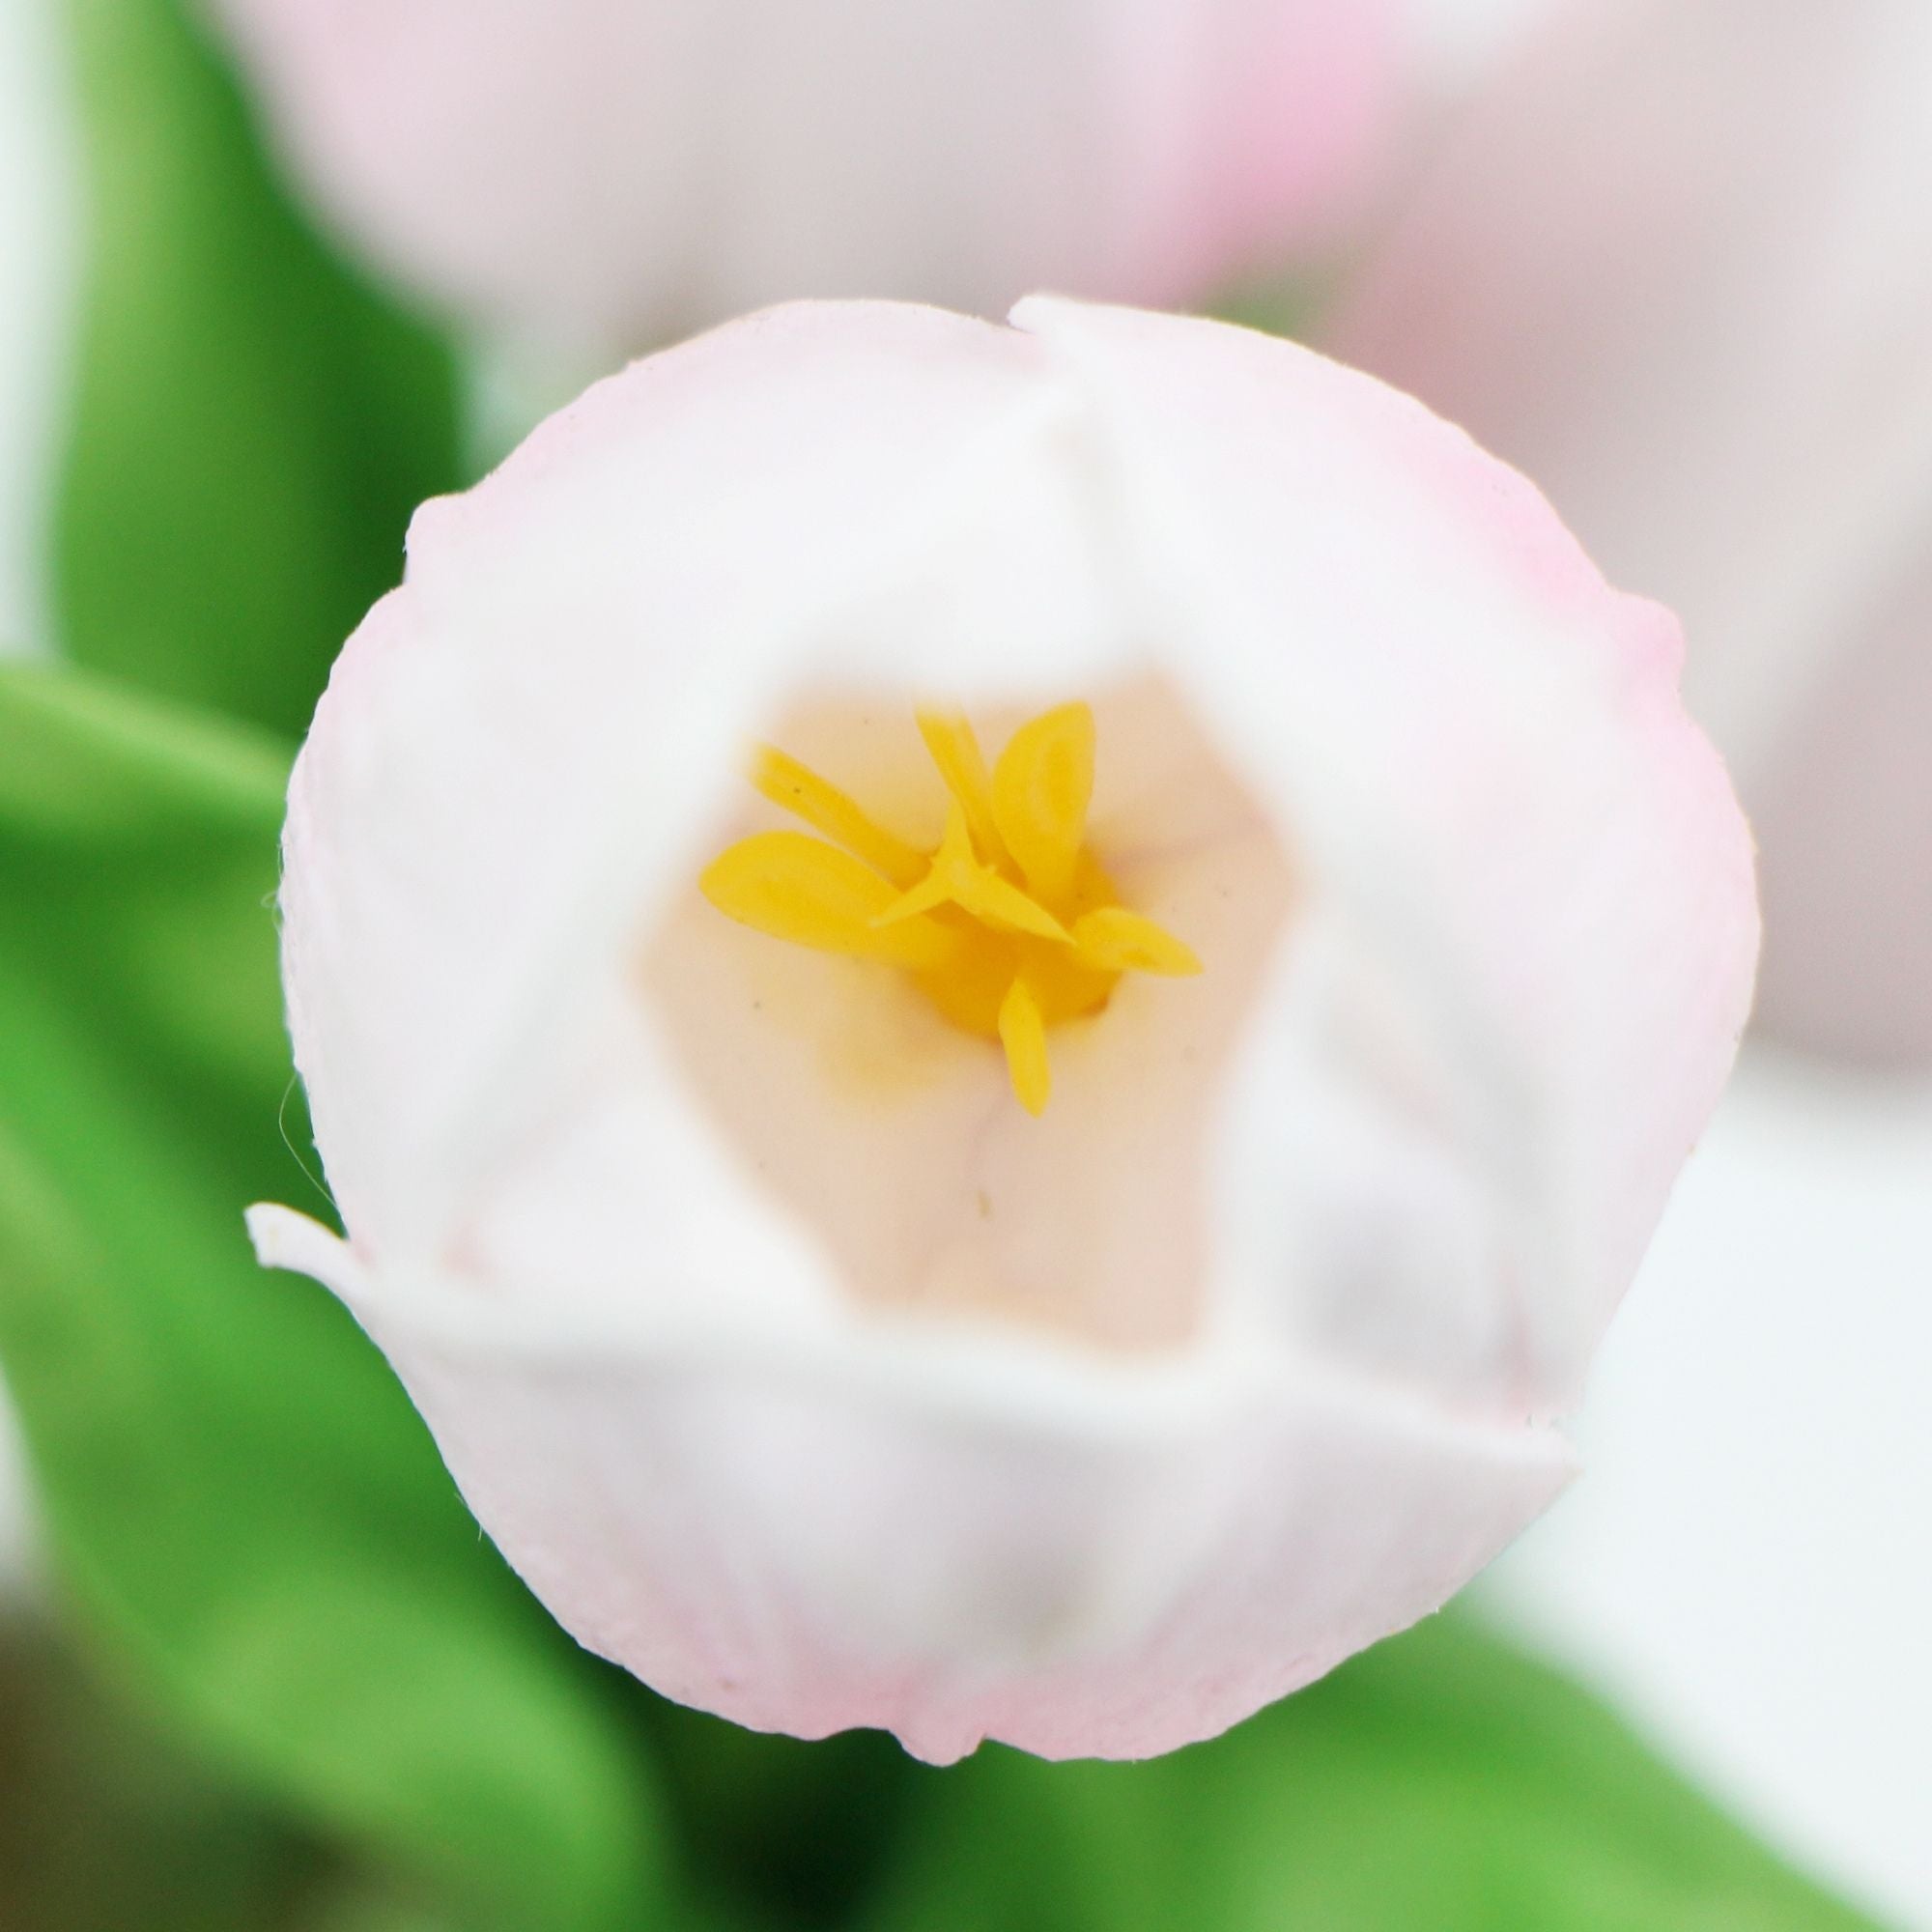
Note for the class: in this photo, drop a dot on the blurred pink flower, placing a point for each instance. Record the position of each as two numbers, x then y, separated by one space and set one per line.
1678 265
794 1362
611 173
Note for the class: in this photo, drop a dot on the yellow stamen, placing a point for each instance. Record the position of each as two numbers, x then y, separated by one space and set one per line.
814 894
1119 941
1008 928
1023 1035
958 878
1041 788
826 809
955 749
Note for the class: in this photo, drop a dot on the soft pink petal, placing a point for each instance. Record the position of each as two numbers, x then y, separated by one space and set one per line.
804 1545
1678 265
1483 753
1844 815
611 172
1426 1139
512 734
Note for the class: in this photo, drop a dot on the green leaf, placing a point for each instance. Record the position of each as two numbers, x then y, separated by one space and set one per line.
239 1494
104 1825
784 1832
252 423
1440 1781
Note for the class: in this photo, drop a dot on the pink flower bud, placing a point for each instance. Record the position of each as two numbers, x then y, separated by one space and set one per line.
608 172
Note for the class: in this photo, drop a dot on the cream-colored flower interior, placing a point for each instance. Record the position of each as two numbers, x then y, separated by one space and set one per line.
959 988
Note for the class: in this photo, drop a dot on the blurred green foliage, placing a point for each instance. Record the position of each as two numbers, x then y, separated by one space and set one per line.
252 423
777 1831
105 1824
239 1494
1439 1781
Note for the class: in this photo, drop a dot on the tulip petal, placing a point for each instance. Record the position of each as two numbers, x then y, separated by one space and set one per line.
421 812
794 1364
1594 984
1076 1561
1677 264
609 173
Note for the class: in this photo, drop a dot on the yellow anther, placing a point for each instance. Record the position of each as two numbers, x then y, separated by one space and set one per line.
1006 927
930 893
955 749
989 898
808 892
1119 941
958 878
1041 788
826 809
935 889
1023 1035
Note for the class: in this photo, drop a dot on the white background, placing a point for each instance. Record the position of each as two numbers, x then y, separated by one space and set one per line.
1747 1564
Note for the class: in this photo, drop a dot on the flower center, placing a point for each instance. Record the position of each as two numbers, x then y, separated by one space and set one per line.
1009 927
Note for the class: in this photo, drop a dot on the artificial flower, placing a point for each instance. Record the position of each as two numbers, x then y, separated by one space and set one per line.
1677 263
605 173
996 1010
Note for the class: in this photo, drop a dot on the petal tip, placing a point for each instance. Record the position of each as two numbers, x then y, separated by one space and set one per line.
286 1240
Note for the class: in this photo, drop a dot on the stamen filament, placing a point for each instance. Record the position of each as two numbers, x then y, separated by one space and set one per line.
1023 1035
955 749
798 790
801 889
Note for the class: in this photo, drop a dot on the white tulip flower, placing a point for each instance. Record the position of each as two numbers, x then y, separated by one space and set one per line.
996 1011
